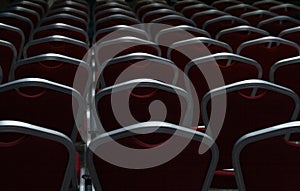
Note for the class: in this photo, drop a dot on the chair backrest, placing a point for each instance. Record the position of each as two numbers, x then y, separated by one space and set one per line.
223 4
109 5
30 5
13 35
285 9
27 13
238 10
268 50
203 16
117 19
113 11
188 170
237 35
56 44
180 5
54 67
189 11
150 7
155 14
246 113
29 151
72 4
61 29
133 99
291 34
277 24
254 17
264 159
8 58
138 65
266 4
71 11
44 103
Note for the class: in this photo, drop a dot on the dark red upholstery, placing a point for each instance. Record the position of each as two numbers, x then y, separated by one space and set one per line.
7 59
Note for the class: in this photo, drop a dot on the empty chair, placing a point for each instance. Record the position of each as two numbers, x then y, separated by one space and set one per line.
128 103
184 51
105 50
142 3
267 51
32 6
56 44
155 14
237 35
291 34
223 4
83 2
189 11
54 67
188 170
150 7
137 65
7 59
61 29
117 19
71 11
266 4
33 151
109 5
103 2
66 19
265 160
44 103
113 11
255 17
30 14
201 17
285 9
277 24
214 26
13 35
118 31
72 4
180 5
245 113
18 21
238 10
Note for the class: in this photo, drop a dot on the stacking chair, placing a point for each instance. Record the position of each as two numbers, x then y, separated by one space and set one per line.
44 103
113 11
180 5
265 160
150 7
138 65
184 51
291 34
189 11
245 114
214 26
188 170
7 59
203 16
18 21
155 14
142 3
29 151
83 2
32 6
71 11
223 4
110 4
266 4
56 44
255 17
13 35
72 4
285 9
277 24
237 35
117 19
238 10
27 13
268 50
56 68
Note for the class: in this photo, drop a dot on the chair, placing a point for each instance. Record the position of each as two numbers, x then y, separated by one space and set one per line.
276 164
223 4
237 35
7 59
71 11
66 19
109 5
267 51
214 26
119 31
184 51
105 50
56 68
56 44
180 5
142 3
44 103
60 29
113 11
277 24
13 35
34 157
72 4
285 9
137 65
201 17
18 21
291 34
266 4
142 100
188 170
255 17
27 13
244 114
189 11
31 5
117 19
155 14
150 7
238 10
